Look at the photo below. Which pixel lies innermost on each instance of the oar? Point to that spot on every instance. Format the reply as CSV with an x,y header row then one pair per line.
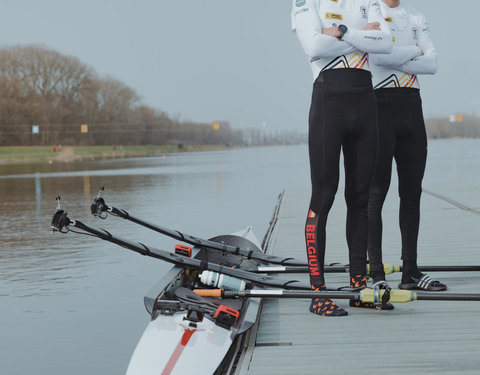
x,y
339,268
365,295
62,223
100,209
286,265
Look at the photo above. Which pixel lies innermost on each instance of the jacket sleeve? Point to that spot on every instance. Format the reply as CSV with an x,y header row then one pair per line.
x,y
427,63
372,41
399,55
308,26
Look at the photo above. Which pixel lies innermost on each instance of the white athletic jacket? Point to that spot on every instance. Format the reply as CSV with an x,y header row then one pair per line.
x,y
412,37
326,52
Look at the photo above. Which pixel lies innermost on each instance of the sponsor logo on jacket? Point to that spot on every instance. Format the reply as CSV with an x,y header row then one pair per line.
x,y
333,16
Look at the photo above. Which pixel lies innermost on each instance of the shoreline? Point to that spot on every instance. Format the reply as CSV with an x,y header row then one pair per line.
x,y
11,155
37,155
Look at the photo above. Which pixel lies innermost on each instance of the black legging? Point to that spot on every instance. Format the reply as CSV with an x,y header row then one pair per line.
x,y
403,137
342,115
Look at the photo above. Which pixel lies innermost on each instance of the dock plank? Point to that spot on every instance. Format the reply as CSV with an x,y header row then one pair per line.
x,y
416,338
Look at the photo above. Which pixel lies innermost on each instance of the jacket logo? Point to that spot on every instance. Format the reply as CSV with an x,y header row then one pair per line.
x,y
333,16
389,19
415,33
363,11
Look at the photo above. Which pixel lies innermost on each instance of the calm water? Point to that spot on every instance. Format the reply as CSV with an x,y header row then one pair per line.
x,y
73,304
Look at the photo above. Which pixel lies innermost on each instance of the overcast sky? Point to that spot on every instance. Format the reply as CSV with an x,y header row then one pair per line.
x,y
234,60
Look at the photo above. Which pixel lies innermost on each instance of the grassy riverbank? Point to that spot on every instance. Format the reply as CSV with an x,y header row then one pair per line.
x,y
45,154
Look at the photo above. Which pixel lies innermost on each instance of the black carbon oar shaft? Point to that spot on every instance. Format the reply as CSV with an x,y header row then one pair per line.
x,y
291,294
186,262
207,243
287,265
365,295
389,269
448,268
436,296
293,269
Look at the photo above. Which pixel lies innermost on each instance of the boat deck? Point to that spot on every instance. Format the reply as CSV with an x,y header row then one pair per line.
x,y
416,338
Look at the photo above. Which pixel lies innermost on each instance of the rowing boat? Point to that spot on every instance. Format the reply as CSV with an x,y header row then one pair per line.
x,y
189,331
178,338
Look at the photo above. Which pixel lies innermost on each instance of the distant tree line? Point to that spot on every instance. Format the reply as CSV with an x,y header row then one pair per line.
x,y
469,127
40,86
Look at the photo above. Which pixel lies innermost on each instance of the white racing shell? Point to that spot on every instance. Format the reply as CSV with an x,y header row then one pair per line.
x,y
170,345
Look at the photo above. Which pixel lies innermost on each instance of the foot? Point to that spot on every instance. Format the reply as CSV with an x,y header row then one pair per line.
x,y
422,282
378,277
325,306
360,282
376,272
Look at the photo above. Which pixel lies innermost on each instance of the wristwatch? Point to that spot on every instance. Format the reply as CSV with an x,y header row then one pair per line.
x,y
343,30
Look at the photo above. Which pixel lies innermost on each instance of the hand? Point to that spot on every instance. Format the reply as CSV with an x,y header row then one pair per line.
x,y
331,31
372,26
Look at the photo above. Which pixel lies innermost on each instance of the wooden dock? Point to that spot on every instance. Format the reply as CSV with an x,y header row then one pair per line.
x,y
416,338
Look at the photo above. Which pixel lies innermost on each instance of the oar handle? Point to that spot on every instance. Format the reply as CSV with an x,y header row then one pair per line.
x,y
396,296
387,268
216,293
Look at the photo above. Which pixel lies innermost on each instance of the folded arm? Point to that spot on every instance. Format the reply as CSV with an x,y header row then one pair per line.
x,y
398,56
308,26
372,41
427,63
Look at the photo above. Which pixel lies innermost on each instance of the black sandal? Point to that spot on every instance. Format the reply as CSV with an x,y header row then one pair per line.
x,y
425,282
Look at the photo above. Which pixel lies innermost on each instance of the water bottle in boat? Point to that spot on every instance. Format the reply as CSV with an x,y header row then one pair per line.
x,y
218,280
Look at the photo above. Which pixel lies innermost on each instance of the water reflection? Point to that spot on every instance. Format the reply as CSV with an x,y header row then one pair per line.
x,y
38,195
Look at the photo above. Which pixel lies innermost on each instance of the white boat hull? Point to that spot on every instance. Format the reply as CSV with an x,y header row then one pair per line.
x,y
170,346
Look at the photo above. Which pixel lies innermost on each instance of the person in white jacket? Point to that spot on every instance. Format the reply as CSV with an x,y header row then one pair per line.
x,y
402,137
337,37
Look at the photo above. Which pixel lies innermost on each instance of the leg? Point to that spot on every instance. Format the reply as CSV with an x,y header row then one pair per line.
x,y
411,156
325,134
380,186
324,152
360,157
